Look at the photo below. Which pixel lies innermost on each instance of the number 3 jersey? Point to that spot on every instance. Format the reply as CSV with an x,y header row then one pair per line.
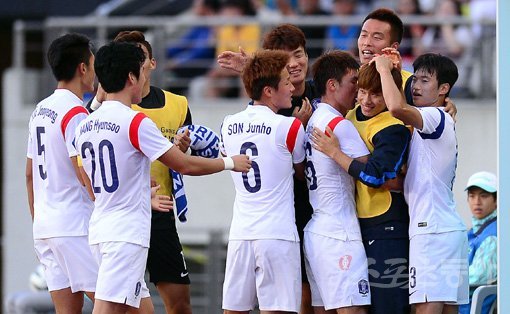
x,y
264,202
117,145
62,206
332,188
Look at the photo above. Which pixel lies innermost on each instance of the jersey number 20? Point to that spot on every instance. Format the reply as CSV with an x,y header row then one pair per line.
x,y
104,144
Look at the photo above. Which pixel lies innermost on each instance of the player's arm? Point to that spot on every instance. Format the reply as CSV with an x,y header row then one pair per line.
x,y
304,112
161,203
450,108
182,140
387,159
373,170
175,159
30,186
234,61
82,176
395,100
328,143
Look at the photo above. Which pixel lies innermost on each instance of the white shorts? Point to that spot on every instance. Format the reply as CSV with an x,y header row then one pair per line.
x,y
267,270
68,262
337,271
438,268
121,272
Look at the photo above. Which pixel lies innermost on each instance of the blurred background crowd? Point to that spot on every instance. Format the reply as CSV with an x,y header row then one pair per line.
x,y
201,29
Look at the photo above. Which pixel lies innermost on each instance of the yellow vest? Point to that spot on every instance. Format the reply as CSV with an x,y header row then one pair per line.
x,y
168,119
405,76
371,202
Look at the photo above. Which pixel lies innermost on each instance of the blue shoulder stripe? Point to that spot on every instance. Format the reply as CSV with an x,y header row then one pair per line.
x,y
439,130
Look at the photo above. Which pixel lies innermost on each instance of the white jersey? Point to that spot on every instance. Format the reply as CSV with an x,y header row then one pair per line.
x,y
430,175
62,206
264,202
331,188
117,145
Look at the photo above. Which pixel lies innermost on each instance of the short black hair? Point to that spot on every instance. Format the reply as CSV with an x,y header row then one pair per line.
x,y
334,64
66,53
390,17
434,63
115,61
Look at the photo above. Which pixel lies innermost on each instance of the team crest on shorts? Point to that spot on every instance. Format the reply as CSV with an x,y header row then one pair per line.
x,y
363,287
138,288
345,262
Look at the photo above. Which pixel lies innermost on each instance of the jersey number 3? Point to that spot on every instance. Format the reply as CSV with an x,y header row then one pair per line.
x,y
104,145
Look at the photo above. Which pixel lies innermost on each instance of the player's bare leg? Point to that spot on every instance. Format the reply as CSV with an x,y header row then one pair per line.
x,y
107,307
322,310
436,308
450,309
176,297
67,302
235,312
353,310
306,299
146,307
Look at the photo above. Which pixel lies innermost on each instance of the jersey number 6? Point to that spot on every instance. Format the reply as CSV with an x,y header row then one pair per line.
x,y
254,166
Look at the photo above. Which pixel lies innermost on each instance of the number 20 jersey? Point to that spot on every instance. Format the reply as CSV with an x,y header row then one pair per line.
x,y
264,202
62,206
117,145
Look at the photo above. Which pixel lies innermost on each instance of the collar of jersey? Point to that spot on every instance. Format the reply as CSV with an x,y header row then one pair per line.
x,y
329,108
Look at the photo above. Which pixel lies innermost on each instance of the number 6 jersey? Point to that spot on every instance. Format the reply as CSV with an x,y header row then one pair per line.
x,y
117,145
62,206
264,202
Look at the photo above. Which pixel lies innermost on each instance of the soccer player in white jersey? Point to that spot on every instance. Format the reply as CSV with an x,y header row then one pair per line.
x,y
438,271
334,254
117,145
59,203
263,261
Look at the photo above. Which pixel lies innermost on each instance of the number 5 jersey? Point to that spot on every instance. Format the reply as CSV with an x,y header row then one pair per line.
x,y
62,206
264,202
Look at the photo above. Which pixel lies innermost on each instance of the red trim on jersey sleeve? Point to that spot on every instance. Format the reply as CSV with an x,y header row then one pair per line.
x,y
133,129
69,115
292,135
333,123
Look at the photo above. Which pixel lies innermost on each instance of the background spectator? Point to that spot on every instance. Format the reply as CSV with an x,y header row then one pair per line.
x,y
483,254
410,46
192,55
314,34
343,37
223,82
451,40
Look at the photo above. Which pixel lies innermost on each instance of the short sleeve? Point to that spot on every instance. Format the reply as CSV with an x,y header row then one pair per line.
x,y
146,137
69,124
434,120
351,143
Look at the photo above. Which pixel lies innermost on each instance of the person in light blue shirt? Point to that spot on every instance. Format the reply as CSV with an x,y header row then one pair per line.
x,y
482,199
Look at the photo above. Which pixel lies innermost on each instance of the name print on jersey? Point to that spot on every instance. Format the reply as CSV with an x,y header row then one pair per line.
x,y
97,126
236,128
46,112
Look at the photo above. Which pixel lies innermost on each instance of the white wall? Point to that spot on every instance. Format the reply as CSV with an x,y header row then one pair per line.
x,y
209,198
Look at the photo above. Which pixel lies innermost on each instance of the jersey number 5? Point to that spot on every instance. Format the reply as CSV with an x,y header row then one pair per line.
x,y
254,166
113,167
40,150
